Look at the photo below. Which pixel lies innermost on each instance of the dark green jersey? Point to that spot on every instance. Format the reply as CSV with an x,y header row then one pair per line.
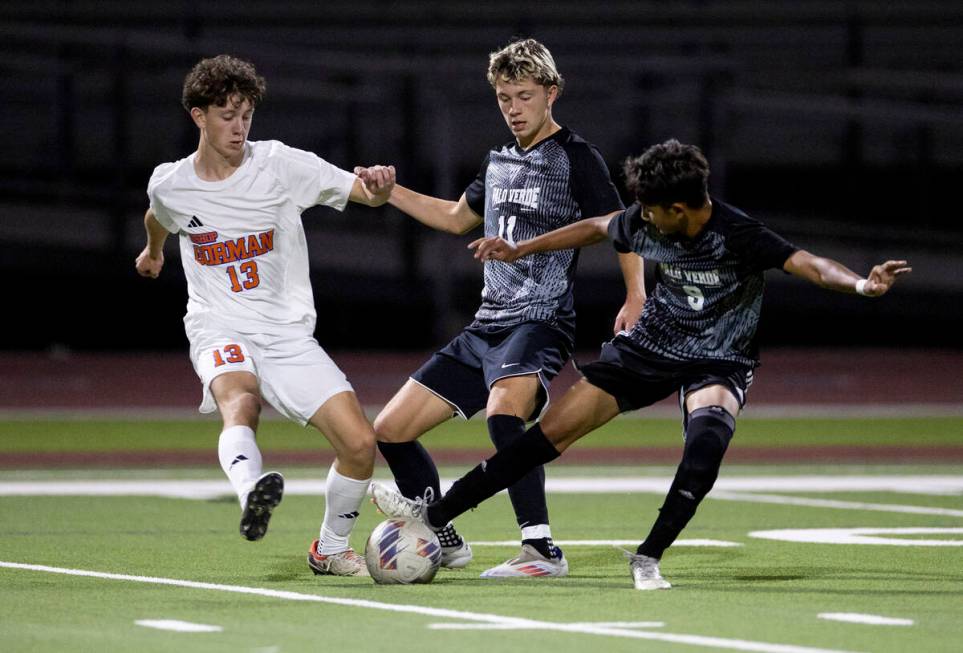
x,y
708,295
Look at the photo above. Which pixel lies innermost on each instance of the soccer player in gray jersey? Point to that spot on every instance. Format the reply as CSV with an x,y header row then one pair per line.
x,y
523,333
696,337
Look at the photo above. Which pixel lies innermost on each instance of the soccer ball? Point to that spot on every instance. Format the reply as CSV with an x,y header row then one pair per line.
x,y
402,551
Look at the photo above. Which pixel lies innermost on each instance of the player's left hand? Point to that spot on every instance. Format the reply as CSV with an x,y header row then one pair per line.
x,y
629,314
882,277
494,249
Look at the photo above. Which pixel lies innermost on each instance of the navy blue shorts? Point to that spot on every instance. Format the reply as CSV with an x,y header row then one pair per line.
x,y
463,372
637,378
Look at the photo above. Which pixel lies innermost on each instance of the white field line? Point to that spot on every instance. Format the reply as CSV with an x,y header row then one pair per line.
x,y
178,626
832,503
692,542
862,535
871,619
943,485
458,615
603,624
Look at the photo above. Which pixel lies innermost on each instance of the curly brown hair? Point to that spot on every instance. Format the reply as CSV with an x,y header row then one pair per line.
x,y
667,173
215,80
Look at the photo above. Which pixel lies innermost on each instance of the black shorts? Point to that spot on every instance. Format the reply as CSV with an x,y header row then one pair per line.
x,y
637,378
463,372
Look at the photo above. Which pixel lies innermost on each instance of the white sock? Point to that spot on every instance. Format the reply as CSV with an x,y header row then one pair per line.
x,y
536,532
343,497
240,459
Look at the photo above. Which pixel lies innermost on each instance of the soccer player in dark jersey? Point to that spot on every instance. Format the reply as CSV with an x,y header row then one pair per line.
x,y
547,177
696,337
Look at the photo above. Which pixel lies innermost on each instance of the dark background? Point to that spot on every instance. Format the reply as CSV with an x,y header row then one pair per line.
x,y
840,124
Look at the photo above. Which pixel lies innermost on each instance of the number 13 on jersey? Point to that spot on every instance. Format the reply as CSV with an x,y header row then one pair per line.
x,y
248,281
232,354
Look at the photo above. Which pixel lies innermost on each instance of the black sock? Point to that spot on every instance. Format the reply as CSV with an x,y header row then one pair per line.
x,y
708,433
528,493
413,468
494,475
674,514
545,546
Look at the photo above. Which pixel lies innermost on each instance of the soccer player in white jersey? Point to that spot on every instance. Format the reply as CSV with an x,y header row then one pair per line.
x,y
235,206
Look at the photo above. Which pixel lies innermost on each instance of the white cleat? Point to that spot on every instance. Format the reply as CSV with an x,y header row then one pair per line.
x,y
456,557
645,572
396,505
345,563
529,564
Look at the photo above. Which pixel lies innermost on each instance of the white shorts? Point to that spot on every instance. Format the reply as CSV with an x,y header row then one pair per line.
x,y
294,373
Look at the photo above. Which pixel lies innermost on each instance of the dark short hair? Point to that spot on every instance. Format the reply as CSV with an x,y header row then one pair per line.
x,y
668,173
214,80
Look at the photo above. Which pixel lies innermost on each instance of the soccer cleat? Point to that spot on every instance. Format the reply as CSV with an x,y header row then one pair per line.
x,y
395,505
261,500
345,563
455,551
529,564
645,572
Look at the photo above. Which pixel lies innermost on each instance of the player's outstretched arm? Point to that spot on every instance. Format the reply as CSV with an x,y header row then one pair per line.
x,y
834,275
151,260
577,234
373,185
443,215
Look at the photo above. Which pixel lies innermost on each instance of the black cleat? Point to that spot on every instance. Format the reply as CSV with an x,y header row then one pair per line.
x,y
261,500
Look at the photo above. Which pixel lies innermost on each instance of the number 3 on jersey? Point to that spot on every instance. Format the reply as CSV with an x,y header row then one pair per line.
x,y
232,354
251,280
696,299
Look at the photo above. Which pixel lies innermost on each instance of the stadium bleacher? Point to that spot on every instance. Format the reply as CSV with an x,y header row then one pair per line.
x,y
838,123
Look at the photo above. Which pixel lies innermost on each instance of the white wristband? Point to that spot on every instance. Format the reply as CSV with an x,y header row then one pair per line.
x,y
861,287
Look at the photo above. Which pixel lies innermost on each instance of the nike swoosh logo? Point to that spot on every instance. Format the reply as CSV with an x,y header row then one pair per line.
x,y
510,364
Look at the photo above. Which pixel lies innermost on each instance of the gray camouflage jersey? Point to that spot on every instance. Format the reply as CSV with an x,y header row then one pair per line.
x,y
525,193
708,295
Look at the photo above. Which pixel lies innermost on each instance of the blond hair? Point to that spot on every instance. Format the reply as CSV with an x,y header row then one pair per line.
x,y
524,59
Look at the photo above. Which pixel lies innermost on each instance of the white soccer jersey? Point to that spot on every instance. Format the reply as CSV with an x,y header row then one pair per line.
x,y
242,242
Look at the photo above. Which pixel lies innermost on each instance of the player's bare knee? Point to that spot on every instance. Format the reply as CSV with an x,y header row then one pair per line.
x,y
387,429
242,408
359,449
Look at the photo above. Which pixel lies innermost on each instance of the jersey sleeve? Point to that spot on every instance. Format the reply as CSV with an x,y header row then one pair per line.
x,y
310,179
624,226
475,193
155,197
760,247
592,186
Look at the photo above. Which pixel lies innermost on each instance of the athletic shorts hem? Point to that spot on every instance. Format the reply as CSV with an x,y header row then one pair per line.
x,y
322,400
455,407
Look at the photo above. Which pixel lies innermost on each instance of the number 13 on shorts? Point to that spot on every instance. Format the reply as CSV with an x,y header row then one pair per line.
x,y
228,354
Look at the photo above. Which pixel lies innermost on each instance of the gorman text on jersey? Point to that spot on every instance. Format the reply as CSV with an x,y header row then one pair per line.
x,y
238,249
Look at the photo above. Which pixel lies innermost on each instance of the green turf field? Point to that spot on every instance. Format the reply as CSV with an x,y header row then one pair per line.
x,y
163,558
32,434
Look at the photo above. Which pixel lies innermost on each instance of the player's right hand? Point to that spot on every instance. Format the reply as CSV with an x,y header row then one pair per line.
x,y
148,266
494,249
882,277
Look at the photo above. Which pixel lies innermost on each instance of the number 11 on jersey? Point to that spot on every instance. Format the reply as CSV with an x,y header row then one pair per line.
x,y
509,233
